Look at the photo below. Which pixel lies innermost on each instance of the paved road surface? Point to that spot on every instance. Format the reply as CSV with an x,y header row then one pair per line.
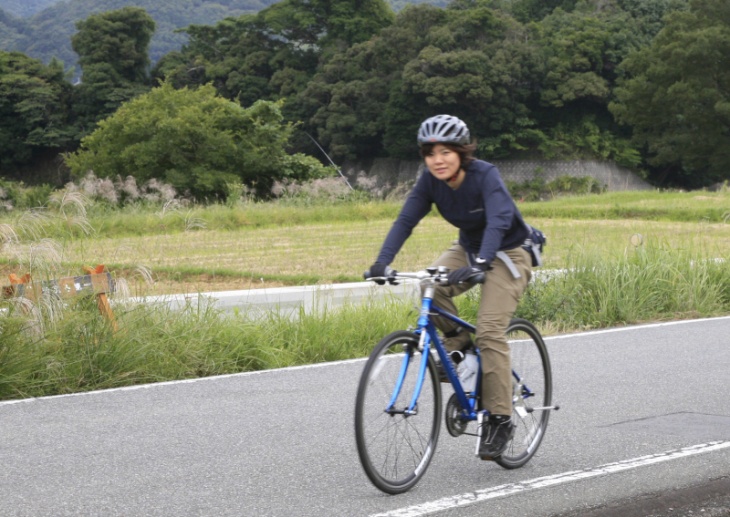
x,y
645,411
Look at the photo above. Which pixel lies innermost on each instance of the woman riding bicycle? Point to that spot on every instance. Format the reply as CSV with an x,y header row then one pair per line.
x,y
470,194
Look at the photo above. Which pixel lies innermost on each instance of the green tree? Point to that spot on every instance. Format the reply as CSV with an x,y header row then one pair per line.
x,y
118,38
649,15
239,56
113,54
535,10
274,53
676,96
194,140
468,60
580,52
34,109
345,104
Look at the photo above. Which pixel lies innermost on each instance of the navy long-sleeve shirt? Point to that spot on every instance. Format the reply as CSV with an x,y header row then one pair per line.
x,y
481,208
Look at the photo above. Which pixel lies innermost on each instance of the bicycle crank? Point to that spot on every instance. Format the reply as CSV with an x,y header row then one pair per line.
x,y
455,422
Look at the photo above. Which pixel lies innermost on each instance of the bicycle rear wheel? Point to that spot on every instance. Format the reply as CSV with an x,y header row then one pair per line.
x,y
395,448
531,392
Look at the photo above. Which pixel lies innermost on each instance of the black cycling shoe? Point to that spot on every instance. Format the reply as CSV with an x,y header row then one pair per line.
x,y
497,432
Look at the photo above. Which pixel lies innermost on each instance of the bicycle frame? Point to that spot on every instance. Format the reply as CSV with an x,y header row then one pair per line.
x,y
426,330
428,335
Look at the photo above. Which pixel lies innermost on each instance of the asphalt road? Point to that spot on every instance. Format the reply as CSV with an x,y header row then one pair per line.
x,y
644,418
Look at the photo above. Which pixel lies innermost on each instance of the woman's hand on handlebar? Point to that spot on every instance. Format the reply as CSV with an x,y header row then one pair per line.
x,y
381,273
470,274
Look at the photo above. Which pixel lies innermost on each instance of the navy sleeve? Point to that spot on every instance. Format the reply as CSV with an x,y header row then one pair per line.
x,y
416,207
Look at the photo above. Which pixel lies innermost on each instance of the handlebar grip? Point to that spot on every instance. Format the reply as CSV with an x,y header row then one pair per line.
x,y
479,278
390,277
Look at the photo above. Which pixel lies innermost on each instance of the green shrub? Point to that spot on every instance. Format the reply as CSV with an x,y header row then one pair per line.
x,y
17,195
538,189
195,141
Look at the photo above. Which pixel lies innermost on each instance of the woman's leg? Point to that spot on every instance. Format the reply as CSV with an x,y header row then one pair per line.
x,y
500,294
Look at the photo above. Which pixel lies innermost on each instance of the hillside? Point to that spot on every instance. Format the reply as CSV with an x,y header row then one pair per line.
x,y
10,30
48,33
25,8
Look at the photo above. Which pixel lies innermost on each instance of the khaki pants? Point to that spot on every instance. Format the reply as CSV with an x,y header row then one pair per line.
x,y
500,294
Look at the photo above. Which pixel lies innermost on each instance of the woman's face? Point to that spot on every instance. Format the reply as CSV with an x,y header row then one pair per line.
x,y
443,162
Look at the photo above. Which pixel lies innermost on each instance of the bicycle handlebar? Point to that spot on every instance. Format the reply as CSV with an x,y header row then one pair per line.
x,y
438,275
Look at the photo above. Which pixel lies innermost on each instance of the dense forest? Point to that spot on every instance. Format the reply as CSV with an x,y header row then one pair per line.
x,y
644,83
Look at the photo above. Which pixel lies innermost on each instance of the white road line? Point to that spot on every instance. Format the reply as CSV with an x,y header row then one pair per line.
x,y
449,503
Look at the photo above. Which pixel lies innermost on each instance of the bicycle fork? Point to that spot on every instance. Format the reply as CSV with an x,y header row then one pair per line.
x,y
412,408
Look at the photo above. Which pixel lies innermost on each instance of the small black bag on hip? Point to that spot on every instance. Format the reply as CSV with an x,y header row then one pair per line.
x,y
534,244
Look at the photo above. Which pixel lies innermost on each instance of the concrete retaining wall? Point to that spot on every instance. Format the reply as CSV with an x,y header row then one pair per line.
x,y
388,172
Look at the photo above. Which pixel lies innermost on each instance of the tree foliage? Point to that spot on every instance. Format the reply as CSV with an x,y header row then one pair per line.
x,y
113,49
34,109
119,39
468,60
194,140
274,53
676,96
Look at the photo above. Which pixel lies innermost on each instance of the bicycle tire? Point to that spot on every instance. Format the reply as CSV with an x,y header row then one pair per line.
x,y
396,449
530,360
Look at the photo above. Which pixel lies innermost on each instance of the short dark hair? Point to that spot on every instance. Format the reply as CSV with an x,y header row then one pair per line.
x,y
465,152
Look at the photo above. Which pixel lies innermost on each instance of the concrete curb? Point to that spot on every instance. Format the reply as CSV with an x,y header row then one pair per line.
x,y
286,300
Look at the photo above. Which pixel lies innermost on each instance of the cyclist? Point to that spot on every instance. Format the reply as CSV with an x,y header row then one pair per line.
x,y
470,194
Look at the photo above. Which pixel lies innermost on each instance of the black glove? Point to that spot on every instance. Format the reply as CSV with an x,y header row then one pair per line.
x,y
467,273
379,270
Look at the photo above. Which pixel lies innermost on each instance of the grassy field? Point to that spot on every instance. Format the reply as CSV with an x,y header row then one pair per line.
x,y
268,245
210,260
630,258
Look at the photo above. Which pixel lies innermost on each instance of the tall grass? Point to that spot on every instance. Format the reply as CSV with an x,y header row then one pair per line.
x,y
649,284
81,352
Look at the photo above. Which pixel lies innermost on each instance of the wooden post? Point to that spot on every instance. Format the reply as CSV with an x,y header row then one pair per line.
x,y
17,288
101,283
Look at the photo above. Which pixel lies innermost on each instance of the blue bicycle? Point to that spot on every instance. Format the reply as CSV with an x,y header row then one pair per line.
x,y
398,405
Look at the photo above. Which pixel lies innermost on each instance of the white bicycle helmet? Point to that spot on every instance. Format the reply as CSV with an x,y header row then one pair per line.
x,y
443,129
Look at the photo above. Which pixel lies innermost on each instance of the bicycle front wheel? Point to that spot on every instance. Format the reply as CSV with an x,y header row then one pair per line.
x,y
532,384
395,446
